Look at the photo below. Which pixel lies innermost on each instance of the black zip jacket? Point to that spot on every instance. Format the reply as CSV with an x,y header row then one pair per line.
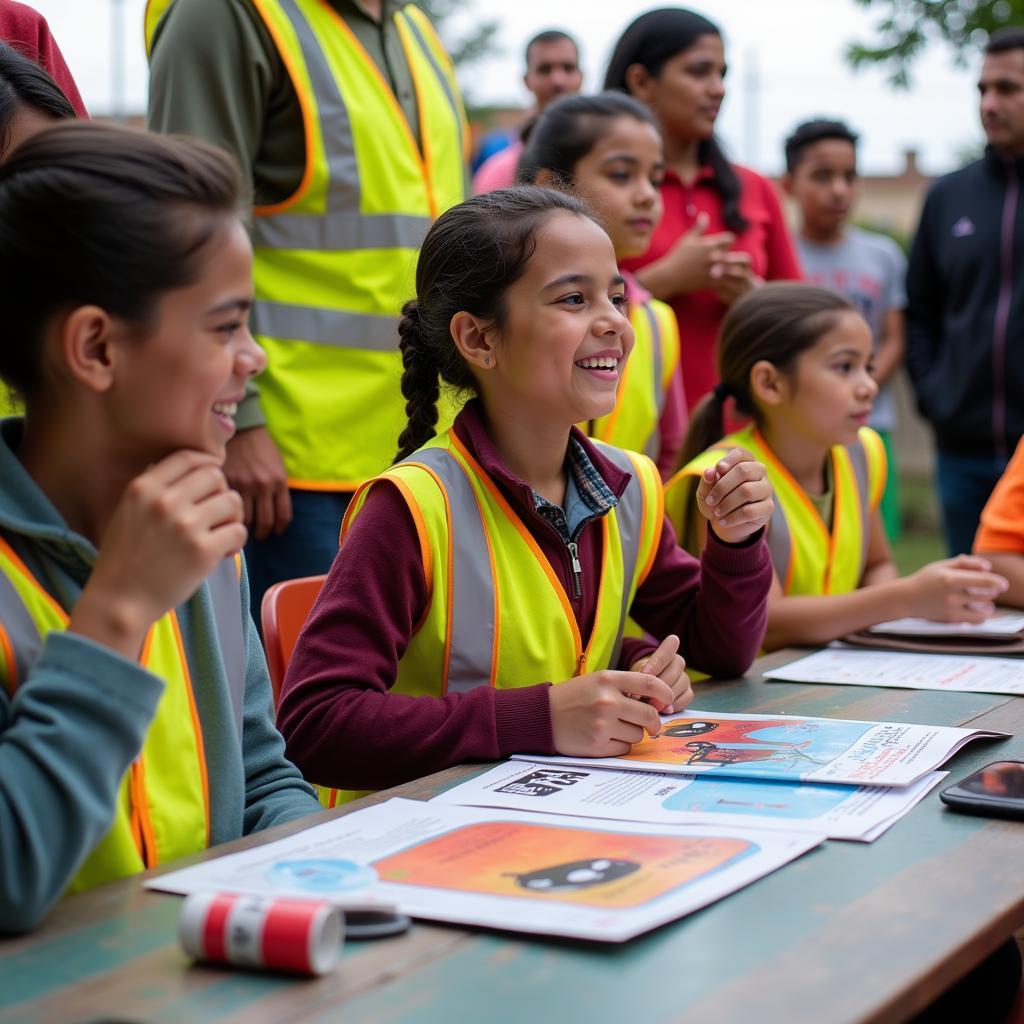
x,y
965,308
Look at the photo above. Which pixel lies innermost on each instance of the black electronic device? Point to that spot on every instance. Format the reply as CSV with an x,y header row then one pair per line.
x,y
996,791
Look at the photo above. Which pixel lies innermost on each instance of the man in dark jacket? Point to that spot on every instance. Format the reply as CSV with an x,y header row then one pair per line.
x,y
965,295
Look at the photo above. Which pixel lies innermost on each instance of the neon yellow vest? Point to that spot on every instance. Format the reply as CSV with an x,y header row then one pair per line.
x,y
162,808
497,615
644,383
335,261
808,558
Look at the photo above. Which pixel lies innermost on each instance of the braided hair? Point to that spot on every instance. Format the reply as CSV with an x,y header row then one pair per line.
x,y
472,254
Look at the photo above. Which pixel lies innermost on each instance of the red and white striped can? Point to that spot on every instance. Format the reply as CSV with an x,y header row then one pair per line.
x,y
301,936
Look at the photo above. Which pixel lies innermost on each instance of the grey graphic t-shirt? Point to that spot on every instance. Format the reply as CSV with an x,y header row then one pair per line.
x,y
870,270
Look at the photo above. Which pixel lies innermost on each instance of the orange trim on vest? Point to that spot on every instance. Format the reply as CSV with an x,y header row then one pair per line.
x,y
659,512
801,494
555,582
319,485
306,108
421,534
196,726
7,649
417,88
150,854
390,98
19,564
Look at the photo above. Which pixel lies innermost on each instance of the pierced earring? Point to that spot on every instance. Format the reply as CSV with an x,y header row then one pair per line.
x,y
487,360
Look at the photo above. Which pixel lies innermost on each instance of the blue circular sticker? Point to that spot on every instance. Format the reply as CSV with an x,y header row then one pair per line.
x,y
321,875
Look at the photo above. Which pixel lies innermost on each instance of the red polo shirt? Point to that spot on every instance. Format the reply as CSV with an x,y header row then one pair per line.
x,y
766,239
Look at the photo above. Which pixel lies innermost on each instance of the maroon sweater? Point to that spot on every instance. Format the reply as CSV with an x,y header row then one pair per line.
x,y
343,726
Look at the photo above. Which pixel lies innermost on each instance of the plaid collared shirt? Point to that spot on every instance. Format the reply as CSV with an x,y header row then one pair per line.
x,y
590,498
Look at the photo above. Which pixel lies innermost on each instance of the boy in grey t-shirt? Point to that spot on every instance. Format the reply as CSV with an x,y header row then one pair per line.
x,y
868,268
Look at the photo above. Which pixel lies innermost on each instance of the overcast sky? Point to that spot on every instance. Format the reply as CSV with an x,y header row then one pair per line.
x,y
791,49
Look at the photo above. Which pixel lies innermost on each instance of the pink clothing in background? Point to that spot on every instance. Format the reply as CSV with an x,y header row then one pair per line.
x,y
498,171
26,31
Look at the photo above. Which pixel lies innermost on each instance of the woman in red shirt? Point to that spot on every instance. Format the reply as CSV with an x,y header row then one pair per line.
x,y
722,231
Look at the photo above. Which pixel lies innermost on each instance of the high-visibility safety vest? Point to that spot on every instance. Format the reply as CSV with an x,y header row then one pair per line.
x,y
334,262
163,805
808,557
497,614
644,383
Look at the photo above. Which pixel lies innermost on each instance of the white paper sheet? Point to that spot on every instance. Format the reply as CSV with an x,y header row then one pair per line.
x,y
1003,624
906,670
788,747
504,869
860,813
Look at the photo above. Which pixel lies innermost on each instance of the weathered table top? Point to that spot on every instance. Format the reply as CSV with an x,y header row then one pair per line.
x,y
850,932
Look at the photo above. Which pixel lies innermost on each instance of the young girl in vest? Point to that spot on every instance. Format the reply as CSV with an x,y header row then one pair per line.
x,y
797,359
608,149
505,554
135,716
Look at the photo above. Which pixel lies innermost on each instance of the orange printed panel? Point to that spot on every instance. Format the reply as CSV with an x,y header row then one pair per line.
x,y
709,741
567,865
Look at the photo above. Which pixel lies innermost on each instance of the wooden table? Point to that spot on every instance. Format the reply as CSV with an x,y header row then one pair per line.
x,y
850,932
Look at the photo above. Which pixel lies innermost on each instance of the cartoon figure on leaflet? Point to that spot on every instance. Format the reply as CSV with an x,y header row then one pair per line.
x,y
745,741
575,874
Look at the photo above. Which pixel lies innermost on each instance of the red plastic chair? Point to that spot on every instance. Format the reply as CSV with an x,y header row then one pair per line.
x,y
284,611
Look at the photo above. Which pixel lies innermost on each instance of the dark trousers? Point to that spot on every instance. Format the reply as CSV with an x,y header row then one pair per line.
x,y
964,483
306,548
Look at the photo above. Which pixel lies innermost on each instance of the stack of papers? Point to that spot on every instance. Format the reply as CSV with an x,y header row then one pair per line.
x,y
789,747
958,672
860,813
606,849
503,869
1001,626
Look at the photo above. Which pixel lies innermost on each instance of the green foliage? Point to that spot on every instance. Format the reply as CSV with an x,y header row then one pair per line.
x,y
465,45
907,26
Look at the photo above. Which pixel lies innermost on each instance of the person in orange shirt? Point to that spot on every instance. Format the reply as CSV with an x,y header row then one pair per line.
x,y
1000,537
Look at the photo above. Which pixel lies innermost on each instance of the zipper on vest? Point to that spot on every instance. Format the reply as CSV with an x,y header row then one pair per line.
x,y
577,569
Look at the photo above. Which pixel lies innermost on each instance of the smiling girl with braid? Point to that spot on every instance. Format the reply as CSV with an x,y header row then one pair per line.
x,y
504,555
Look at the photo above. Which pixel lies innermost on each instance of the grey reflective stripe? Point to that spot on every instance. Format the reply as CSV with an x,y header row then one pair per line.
x,y
343,188
226,598
780,544
20,628
438,70
472,607
859,462
653,445
325,326
629,514
339,230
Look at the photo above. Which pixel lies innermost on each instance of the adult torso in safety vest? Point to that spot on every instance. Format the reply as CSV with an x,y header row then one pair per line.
x,y
808,557
497,614
334,262
644,383
163,806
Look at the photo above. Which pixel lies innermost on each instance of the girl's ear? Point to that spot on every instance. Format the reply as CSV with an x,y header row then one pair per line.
x,y
475,339
768,387
639,83
546,179
87,347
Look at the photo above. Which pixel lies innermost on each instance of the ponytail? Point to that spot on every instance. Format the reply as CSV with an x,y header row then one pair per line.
x,y
420,384
707,425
